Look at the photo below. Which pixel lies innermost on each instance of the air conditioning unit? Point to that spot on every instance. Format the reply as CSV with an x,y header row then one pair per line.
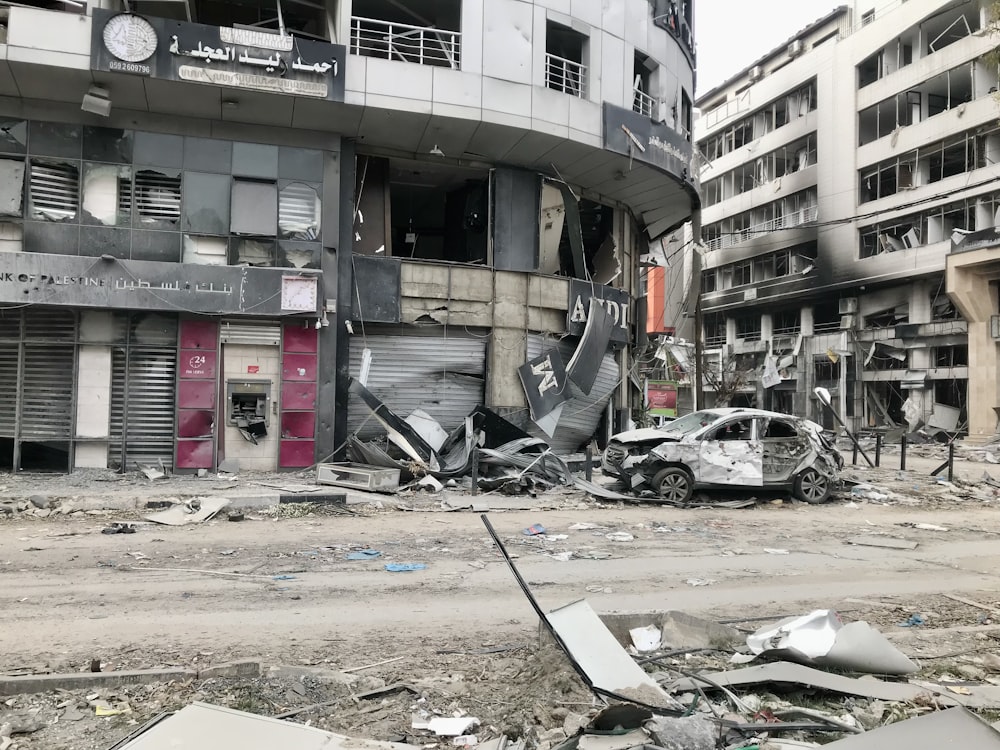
x,y
848,305
756,73
796,48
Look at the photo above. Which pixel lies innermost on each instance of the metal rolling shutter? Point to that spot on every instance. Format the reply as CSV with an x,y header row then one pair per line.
x,y
444,376
142,394
582,413
49,357
8,388
10,355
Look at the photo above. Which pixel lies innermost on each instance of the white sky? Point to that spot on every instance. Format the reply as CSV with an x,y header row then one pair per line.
x,y
731,34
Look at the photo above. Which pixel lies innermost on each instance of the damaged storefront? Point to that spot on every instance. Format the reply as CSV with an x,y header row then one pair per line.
x,y
124,243
501,286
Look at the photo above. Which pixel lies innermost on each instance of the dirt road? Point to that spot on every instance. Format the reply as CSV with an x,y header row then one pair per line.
x,y
281,588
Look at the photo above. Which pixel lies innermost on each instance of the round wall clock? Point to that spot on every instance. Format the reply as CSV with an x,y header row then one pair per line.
x,y
130,37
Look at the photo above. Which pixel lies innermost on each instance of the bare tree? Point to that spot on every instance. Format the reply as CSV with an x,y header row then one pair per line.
x,y
726,375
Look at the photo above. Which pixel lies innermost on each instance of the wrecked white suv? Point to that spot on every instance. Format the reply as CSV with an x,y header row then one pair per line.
x,y
729,448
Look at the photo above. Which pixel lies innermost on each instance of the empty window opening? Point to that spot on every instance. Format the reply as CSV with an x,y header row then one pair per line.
x,y
748,327
434,211
643,97
564,59
422,33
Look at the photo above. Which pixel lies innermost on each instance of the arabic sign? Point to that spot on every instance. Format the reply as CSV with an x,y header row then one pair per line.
x,y
37,278
655,143
220,56
614,301
544,382
661,397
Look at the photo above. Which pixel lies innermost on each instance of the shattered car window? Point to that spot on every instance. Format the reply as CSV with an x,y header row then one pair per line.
x,y
690,422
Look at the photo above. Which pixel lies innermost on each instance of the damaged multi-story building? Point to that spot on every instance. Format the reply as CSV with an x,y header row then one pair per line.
x,y
216,213
849,188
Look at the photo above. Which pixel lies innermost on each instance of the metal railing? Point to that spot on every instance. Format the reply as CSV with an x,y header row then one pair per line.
x,y
794,219
424,45
643,103
565,75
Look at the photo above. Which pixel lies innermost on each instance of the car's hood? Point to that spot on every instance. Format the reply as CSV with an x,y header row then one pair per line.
x,y
642,435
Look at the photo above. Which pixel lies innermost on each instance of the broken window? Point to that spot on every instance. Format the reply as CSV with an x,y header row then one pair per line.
x,y
714,329
742,273
564,68
427,34
785,322
950,26
748,327
643,100
826,370
107,195
11,187
870,69
251,251
708,280
157,198
951,356
254,207
205,251
54,190
299,211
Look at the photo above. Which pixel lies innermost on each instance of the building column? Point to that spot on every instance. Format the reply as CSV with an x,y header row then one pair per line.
x,y
972,288
93,392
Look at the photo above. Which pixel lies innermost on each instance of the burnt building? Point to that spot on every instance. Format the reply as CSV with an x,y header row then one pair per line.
x,y
215,214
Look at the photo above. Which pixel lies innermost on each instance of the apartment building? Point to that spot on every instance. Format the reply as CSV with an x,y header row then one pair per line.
x,y
215,214
845,176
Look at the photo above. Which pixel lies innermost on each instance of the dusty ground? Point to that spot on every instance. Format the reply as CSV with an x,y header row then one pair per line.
x,y
277,588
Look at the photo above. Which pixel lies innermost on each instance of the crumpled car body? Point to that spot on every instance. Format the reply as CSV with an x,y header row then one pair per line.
x,y
737,449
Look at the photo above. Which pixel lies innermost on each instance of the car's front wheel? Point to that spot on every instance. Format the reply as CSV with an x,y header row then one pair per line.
x,y
812,487
674,485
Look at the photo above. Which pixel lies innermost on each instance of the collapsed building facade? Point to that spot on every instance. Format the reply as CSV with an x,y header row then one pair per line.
x,y
216,214
846,176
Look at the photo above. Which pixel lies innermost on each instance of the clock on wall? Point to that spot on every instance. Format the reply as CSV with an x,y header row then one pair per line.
x,y
298,293
130,37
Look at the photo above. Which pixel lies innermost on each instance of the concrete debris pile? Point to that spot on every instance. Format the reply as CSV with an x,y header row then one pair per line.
x,y
677,708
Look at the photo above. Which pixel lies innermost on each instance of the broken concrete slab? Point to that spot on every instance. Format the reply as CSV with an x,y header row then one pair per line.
x,y
201,726
600,656
196,510
683,733
43,683
955,727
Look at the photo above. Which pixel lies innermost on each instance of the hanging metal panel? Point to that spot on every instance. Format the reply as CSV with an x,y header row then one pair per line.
x,y
582,413
9,355
443,376
47,393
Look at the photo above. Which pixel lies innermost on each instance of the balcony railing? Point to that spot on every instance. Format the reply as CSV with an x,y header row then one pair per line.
x,y
424,45
565,75
643,103
794,219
